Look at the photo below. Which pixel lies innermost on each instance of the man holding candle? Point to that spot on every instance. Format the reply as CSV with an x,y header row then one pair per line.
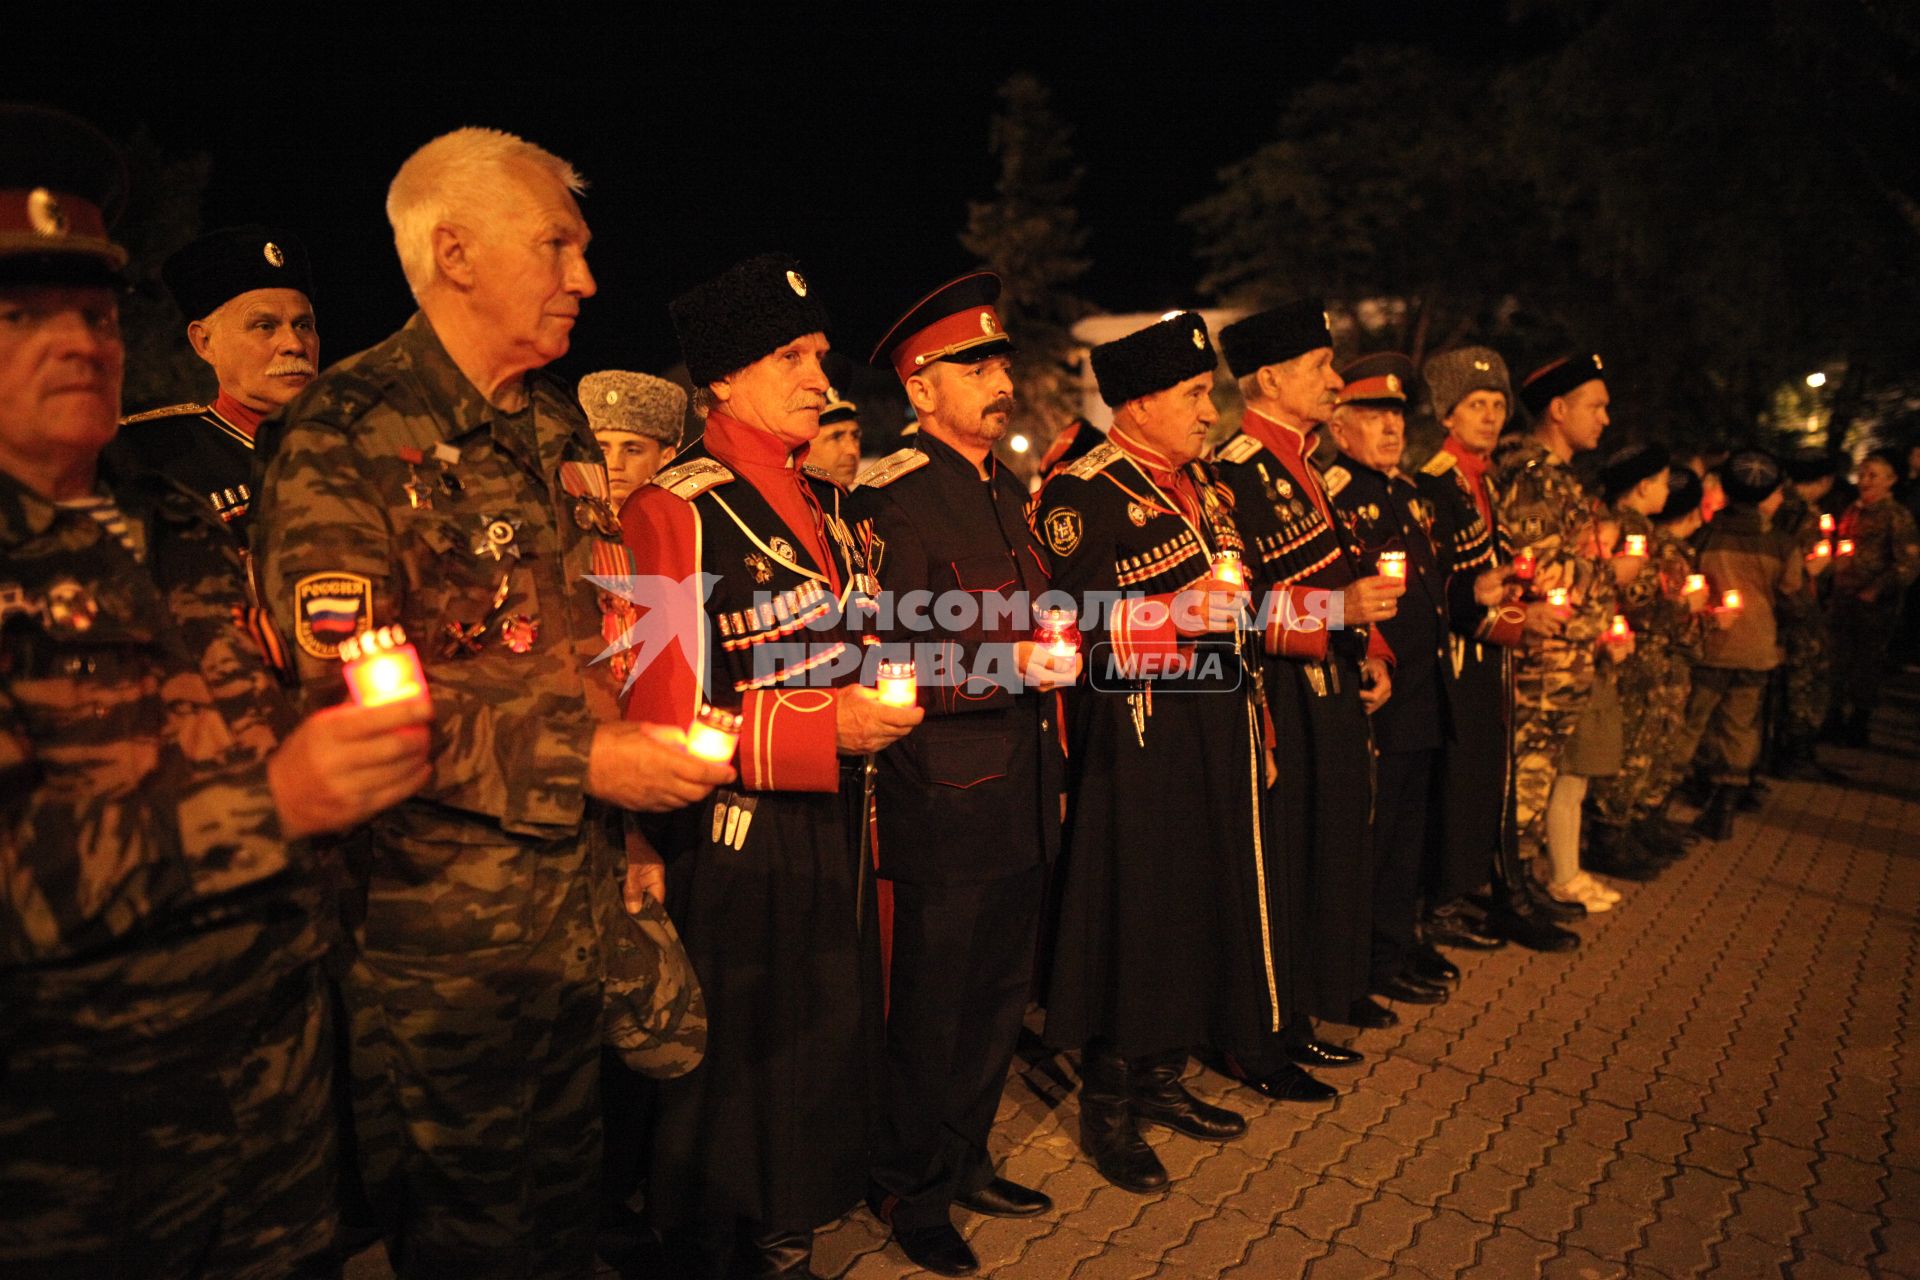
x,y
1390,522
1172,914
969,804
1864,605
1802,684
769,881
247,294
1471,396
166,1060
1325,667
1546,512
1739,553
440,481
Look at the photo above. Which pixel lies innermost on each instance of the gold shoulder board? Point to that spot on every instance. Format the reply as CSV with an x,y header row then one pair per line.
x,y
1336,479
1438,465
168,411
691,479
1238,449
1092,463
890,468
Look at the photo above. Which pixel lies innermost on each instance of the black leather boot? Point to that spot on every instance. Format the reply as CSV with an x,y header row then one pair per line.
x,y
1716,820
1109,1133
1159,1098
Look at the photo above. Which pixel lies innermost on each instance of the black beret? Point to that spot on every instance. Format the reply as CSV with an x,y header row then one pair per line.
x,y
1751,476
224,264
1556,379
744,314
1276,335
61,186
1684,493
1629,466
1162,355
1383,378
1804,466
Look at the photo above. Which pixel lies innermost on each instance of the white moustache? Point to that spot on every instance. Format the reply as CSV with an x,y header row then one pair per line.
x,y
292,366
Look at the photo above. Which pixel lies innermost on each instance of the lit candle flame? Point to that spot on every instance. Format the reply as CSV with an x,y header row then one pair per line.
x,y
381,667
1393,564
1228,568
896,685
713,735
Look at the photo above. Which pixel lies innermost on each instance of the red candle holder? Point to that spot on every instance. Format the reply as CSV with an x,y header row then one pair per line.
x,y
1696,582
1523,566
1821,550
381,667
1730,601
1620,630
1846,546
1055,629
1393,564
1826,522
713,735
1557,597
1230,569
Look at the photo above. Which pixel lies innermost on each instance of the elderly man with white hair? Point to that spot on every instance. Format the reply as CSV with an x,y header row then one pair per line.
x,y
439,482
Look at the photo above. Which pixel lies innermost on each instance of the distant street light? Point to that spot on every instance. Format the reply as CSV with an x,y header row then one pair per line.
x,y
1018,443
1816,380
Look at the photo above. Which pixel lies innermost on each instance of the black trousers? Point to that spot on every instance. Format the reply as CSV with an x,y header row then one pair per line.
x,y
1400,817
962,965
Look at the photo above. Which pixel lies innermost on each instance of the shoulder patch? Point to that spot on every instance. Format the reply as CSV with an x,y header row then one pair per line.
x,y
1438,465
1063,528
890,468
1240,448
1336,478
169,411
1093,462
691,479
329,608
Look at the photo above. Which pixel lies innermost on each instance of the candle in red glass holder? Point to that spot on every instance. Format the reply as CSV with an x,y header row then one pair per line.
x,y
1055,630
1557,597
1393,564
1636,545
713,735
1696,582
1731,600
1620,628
896,685
381,667
1228,568
1846,546
1523,566
1821,550
1826,522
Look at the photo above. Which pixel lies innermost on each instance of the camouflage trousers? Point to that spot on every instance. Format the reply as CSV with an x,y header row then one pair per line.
x,y
1807,672
1722,733
1653,694
476,1068
1549,693
220,1162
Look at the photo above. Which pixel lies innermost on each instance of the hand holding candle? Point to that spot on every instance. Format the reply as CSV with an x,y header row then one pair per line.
x,y
381,667
1392,564
895,684
713,735
1635,545
1523,566
1229,569
1056,630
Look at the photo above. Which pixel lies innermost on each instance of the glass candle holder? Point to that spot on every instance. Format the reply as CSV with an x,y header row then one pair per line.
x,y
1826,522
1620,630
1635,545
1731,600
1696,582
1821,550
1846,546
1557,597
381,667
1228,568
1393,564
896,685
713,735
1523,566
1055,629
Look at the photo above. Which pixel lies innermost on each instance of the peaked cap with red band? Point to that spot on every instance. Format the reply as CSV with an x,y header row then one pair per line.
x,y
955,322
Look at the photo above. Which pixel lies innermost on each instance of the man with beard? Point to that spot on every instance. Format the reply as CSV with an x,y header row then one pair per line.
x,y
769,1139
1325,669
1172,918
1471,395
969,805
247,293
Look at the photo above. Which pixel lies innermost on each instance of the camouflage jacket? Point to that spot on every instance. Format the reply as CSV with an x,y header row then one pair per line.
x,y
1654,600
1544,509
1671,620
1886,552
144,885
397,494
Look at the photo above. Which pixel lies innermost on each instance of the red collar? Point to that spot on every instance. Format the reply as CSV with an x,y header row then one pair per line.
x,y
1157,465
236,413
1283,438
1474,466
736,442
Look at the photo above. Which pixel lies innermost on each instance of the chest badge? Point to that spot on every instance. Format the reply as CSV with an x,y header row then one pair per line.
x,y
1137,514
519,632
1064,530
496,539
71,607
781,547
759,566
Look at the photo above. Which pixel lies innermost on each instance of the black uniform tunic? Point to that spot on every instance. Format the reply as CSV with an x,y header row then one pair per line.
x,y
200,447
1172,920
764,878
968,811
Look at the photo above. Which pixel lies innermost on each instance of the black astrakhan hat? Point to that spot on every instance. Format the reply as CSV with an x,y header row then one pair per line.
x,y
1162,355
1751,476
1629,466
234,260
1684,493
1276,336
61,186
1556,378
1384,378
748,311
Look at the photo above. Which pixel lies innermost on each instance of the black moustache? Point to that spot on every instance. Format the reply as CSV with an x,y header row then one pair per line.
x,y
1002,405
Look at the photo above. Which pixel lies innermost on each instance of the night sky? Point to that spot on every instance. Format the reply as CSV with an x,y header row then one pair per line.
x,y
852,139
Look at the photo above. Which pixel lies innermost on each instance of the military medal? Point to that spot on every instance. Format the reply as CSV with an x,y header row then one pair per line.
x,y
587,484
418,495
1137,514
519,632
71,607
759,566
781,547
496,539
462,637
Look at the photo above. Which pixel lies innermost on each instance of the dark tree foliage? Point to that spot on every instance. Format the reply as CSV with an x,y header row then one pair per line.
x,y
1719,197
1029,233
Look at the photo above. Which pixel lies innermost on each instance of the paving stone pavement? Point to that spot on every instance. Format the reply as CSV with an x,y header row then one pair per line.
x,y
1723,1081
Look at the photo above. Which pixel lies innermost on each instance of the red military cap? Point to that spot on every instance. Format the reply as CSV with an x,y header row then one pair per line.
x,y
1383,378
955,322
61,183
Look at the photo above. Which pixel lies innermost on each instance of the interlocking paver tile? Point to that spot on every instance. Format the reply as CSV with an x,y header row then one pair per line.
x,y
1385,1227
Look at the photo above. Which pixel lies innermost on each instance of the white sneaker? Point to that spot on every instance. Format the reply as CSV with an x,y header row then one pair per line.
x,y
1585,883
1572,892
